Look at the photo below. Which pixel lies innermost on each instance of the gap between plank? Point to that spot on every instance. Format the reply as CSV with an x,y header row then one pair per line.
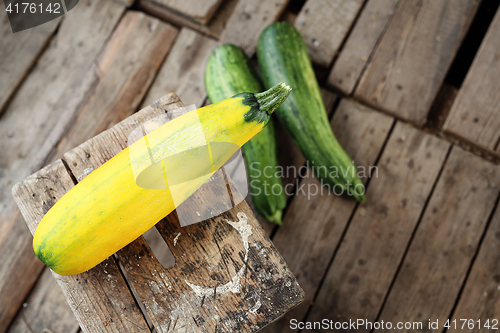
x,y
462,62
133,292
344,40
377,43
295,6
68,170
457,300
424,208
471,43
377,160
472,147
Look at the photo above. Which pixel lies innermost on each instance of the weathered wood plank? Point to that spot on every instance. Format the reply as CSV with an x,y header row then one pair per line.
x,y
374,244
446,240
248,282
184,69
413,57
248,20
37,193
358,48
480,298
99,297
198,10
324,24
34,125
18,53
474,115
45,309
212,29
315,221
126,3
122,74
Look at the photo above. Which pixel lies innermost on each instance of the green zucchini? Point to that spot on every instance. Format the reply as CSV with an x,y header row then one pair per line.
x,y
283,57
229,72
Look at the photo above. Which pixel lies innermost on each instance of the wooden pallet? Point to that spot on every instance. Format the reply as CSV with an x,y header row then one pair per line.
x,y
411,60
358,48
368,31
228,275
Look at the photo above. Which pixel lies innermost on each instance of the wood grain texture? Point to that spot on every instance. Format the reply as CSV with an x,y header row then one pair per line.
x,y
324,24
224,279
248,20
122,74
211,255
373,246
475,114
198,10
315,221
34,125
413,57
18,53
45,309
212,29
480,298
37,193
183,72
446,240
126,3
99,298
359,47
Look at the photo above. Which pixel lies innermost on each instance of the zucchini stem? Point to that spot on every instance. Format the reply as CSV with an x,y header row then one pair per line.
x,y
270,99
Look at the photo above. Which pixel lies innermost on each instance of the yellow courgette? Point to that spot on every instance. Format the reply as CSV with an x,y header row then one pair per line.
x,y
108,209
